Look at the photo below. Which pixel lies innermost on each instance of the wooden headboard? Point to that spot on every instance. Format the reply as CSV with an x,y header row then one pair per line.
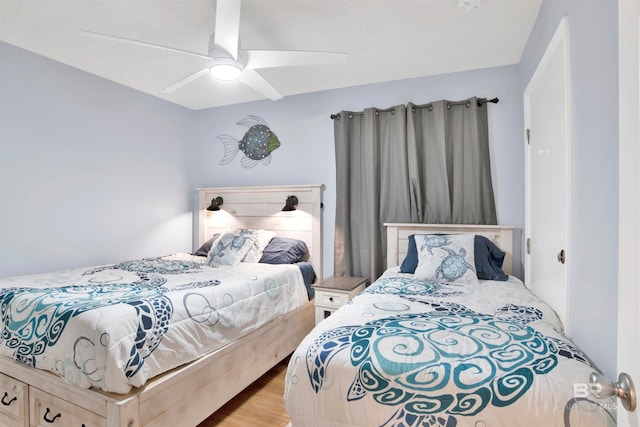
x,y
261,208
398,239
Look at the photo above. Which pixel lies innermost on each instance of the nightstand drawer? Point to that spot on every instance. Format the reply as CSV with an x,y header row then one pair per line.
x,y
14,397
334,292
331,299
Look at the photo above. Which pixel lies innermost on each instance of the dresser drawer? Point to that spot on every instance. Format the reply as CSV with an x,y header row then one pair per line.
x,y
14,398
50,411
331,299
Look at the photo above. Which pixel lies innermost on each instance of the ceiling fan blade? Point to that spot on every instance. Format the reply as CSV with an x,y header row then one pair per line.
x,y
256,82
186,80
227,28
286,58
140,43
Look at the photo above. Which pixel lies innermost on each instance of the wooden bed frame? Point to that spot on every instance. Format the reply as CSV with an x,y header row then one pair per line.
x,y
187,395
398,239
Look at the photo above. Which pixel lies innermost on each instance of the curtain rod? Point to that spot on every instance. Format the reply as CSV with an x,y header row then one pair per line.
x,y
480,101
391,110
492,100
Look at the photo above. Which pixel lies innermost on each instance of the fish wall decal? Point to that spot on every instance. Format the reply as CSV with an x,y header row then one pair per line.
x,y
256,144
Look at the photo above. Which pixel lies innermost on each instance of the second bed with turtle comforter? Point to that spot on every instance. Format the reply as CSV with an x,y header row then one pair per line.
x,y
409,351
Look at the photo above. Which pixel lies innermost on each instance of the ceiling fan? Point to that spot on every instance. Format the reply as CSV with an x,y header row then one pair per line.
x,y
227,61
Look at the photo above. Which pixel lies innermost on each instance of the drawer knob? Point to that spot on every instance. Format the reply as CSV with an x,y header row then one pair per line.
x,y
6,402
50,420
331,299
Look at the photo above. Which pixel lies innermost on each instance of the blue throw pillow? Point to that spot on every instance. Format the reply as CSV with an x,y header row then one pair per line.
x,y
488,259
283,250
410,262
206,246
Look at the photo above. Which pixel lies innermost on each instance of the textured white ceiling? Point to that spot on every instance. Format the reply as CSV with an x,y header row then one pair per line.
x,y
385,40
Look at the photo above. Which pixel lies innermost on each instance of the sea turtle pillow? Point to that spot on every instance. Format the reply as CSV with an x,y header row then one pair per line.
x,y
446,258
261,239
229,249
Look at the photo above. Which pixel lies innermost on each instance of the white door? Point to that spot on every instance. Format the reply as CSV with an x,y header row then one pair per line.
x,y
629,202
546,106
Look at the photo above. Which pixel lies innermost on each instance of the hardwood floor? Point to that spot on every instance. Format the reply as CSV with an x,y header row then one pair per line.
x,y
260,404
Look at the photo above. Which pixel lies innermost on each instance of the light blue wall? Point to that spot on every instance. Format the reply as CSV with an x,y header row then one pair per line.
x,y
90,171
305,130
593,52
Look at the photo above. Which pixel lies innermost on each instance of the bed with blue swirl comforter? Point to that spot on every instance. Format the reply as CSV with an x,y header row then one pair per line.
x,y
115,326
409,352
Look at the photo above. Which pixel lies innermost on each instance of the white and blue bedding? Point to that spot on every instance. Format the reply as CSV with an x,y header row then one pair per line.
x,y
116,326
410,352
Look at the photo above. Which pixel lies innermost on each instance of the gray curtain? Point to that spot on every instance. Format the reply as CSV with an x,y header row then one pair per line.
x,y
449,165
372,187
421,163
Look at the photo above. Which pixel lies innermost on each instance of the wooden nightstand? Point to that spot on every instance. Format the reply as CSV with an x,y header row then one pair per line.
x,y
334,291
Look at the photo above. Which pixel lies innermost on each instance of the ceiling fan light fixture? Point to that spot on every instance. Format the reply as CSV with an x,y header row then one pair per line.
x,y
226,69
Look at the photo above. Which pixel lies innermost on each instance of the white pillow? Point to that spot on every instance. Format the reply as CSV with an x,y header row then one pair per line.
x,y
229,249
261,239
446,258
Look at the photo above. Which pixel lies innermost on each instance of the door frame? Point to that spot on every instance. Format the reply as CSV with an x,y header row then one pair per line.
x,y
628,337
559,39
